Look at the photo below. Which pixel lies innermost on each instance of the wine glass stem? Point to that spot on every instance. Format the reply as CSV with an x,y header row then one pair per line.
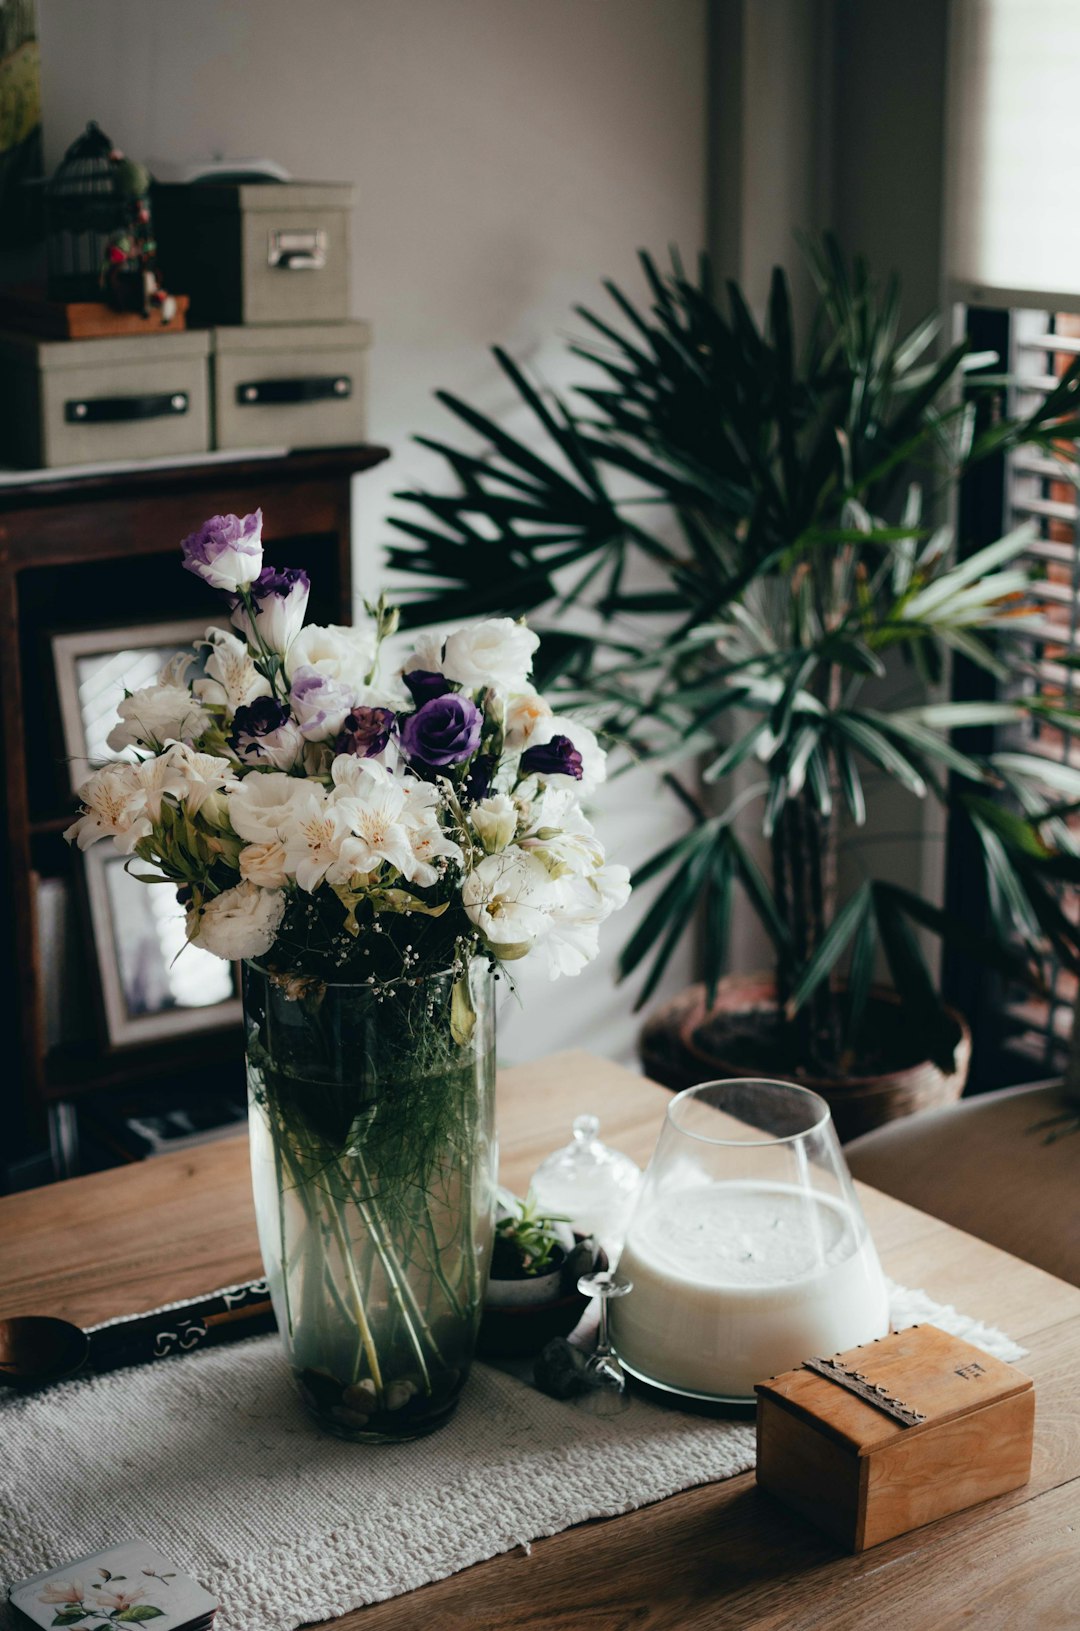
x,y
603,1344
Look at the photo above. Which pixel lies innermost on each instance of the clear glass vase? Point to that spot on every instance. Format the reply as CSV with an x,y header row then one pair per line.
x,y
373,1161
747,1251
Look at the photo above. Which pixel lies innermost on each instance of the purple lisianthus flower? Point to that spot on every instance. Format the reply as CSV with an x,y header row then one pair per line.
x,y
365,732
320,703
226,552
443,732
425,685
559,757
265,733
478,781
280,600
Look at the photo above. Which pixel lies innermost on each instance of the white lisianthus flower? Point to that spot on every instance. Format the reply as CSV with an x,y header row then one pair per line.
x,y
232,680
158,714
509,897
524,711
426,656
114,806
319,703
263,806
280,599
336,651
495,819
496,652
581,903
593,758
240,922
226,552
265,864
561,852
201,775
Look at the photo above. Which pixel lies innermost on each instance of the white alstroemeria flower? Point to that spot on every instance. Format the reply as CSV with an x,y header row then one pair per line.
x,y
317,839
175,671
336,651
232,680
114,801
524,711
266,864
508,897
494,652
263,806
202,774
158,714
240,922
159,777
495,820
430,843
593,757
375,816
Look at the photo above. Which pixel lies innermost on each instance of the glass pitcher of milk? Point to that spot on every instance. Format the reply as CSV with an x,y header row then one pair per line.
x,y
748,1250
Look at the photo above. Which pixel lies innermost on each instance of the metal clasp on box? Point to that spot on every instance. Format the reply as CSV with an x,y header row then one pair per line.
x,y
297,251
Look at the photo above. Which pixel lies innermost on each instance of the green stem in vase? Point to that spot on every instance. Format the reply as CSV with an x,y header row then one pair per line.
x,y
366,1338
396,1279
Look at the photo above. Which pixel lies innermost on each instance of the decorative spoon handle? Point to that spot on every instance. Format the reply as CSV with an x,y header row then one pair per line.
x,y
223,1316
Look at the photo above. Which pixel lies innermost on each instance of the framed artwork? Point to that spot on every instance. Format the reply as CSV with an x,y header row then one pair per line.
x,y
95,667
154,985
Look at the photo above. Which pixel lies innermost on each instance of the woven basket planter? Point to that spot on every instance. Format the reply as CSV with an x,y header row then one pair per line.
x,y
682,1044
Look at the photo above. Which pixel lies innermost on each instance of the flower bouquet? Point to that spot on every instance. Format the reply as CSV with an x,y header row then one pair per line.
x,y
375,849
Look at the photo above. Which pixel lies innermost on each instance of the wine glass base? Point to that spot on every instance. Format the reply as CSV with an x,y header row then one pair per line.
x,y
743,1400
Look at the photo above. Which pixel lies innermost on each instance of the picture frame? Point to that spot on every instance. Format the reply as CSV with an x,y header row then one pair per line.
x,y
94,667
153,985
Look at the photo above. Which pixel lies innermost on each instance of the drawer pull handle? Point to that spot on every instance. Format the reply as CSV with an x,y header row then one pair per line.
x,y
264,393
113,410
297,251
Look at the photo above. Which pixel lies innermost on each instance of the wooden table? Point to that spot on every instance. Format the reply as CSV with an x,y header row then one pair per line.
x,y
719,1557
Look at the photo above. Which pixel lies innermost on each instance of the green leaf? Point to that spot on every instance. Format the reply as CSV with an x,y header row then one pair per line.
x,y
831,946
71,1616
137,1613
937,1033
881,751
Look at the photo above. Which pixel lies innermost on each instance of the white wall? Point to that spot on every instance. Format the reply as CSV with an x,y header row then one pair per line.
x,y
506,154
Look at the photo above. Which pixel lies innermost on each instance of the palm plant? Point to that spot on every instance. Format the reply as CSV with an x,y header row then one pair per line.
x,y
777,500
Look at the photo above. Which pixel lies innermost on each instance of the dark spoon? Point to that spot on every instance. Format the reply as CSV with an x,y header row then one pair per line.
x,y
36,1349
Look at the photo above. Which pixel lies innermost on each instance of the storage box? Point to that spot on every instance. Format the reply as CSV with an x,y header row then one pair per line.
x,y
269,253
302,386
948,1427
88,401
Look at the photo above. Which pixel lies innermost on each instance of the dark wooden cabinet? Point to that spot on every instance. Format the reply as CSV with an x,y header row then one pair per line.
x,y
103,550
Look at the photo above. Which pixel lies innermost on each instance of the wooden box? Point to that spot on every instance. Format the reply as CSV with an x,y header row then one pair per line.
x,y
256,252
294,386
72,402
864,1474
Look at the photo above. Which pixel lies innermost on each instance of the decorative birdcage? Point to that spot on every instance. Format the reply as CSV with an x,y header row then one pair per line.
x,y
85,203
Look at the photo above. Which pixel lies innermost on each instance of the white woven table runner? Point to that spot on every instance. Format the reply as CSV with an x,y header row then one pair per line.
x,y
212,1459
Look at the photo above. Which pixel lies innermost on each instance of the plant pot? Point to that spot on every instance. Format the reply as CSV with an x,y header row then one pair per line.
x,y
522,1316
373,1164
685,1043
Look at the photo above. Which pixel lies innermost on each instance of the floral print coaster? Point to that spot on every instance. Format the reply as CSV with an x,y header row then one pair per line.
x,y
132,1584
